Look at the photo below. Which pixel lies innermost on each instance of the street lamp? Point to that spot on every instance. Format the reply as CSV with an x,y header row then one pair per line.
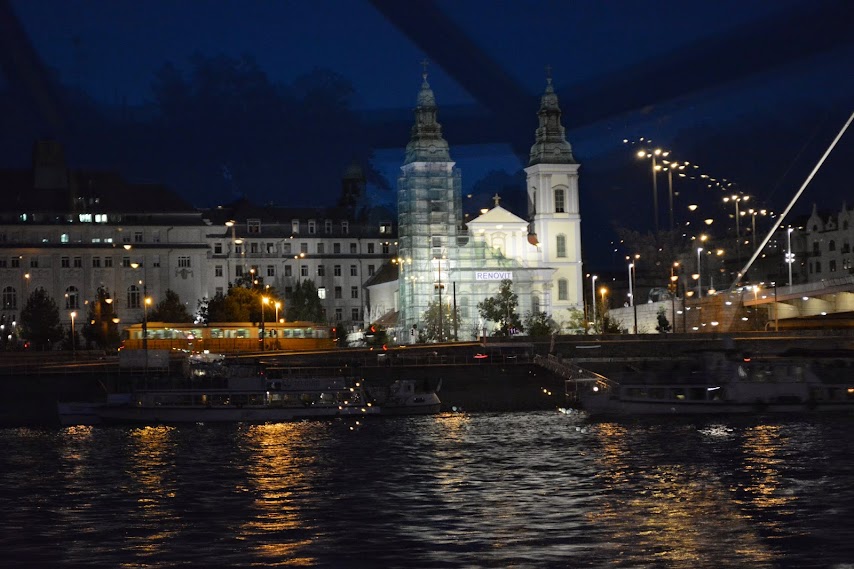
x,y
278,305
789,257
73,337
735,198
593,298
264,300
603,291
632,275
653,155
699,274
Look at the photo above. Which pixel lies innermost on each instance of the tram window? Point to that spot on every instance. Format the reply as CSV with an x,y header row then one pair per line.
x,y
216,333
241,333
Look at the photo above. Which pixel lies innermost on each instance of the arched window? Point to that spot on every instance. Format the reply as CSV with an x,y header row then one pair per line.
x,y
72,298
560,200
535,304
10,299
133,296
561,246
562,290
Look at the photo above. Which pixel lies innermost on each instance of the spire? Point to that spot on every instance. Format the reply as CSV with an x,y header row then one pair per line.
x,y
551,146
426,143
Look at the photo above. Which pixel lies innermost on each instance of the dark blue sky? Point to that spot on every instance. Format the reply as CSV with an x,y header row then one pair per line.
x,y
609,57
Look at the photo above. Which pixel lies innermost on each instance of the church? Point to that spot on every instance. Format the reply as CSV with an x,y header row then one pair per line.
x,y
441,258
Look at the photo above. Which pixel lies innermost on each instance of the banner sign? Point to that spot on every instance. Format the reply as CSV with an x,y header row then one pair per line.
x,y
493,275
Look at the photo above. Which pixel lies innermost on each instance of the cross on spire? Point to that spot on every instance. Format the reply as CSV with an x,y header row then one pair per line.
x,y
424,64
496,198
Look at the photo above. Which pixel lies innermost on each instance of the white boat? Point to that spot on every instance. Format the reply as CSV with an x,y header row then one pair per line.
x,y
406,397
214,391
715,383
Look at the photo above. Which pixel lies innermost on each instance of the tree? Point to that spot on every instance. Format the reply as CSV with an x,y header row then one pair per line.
x,y
101,327
304,304
576,323
663,325
610,326
540,325
501,309
40,320
433,331
170,309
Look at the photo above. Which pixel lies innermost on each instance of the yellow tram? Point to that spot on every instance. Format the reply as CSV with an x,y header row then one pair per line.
x,y
229,337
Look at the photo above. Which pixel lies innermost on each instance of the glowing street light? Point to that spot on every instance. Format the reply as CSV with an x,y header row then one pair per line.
x,y
278,305
735,198
699,274
73,337
593,297
264,300
789,257
654,154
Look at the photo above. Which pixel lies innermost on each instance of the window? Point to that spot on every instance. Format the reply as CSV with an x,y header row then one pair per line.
x,y
816,248
96,262
238,271
34,262
218,271
336,248
321,248
238,248
108,262
133,296
303,270
289,272
370,270
3,263
354,292
218,291
321,270
353,249
535,304
339,314
560,200
832,266
10,298
286,248
354,314
327,226
126,262
831,246
370,248
338,293
217,248
137,236
253,226
321,293
303,248
183,262
561,246
336,271
271,271
295,226
312,227
253,247
271,248
155,236
65,262
385,227
353,271
562,291
818,266
16,262
78,262
72,298
385,248
345,227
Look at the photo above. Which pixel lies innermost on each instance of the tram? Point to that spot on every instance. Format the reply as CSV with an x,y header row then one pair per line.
x,y
229,337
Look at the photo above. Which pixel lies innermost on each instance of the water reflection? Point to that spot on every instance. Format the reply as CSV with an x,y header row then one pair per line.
x,y
668,510
277,478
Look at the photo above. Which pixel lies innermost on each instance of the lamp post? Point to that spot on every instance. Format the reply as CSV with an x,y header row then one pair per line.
x,y
653,155
603,291
73,337
278,305
593,298
699,274
631,292
789,258
735,199
264,300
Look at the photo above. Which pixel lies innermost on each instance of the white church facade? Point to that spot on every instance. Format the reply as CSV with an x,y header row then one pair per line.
x,y
441,258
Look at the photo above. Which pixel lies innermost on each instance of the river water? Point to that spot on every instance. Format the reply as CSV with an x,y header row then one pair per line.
x,y
539,489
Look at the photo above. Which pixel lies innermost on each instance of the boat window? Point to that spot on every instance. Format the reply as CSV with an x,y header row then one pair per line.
x,y
677,393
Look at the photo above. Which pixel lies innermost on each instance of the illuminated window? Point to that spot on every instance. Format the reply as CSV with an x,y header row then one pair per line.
x,y
295,226
561,246
385,227
562,290
321,293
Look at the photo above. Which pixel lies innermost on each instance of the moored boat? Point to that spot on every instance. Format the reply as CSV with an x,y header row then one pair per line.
x,y
214,390
718,382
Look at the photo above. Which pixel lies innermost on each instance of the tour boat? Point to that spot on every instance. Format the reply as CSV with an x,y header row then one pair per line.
x,y
716,383
213,391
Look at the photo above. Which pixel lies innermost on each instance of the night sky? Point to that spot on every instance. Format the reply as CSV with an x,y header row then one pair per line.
x,y
751,91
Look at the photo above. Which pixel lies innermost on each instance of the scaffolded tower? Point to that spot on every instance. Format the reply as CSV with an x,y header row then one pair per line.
x,y
429,214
